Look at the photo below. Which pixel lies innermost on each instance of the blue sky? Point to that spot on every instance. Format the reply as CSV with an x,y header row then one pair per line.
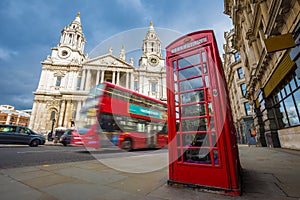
x,y
30,28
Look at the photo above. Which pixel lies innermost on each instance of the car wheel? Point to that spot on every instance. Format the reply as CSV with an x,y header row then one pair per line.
x,y
34,143
127,144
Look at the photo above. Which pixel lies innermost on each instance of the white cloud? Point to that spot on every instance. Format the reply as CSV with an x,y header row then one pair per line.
x,y
6,54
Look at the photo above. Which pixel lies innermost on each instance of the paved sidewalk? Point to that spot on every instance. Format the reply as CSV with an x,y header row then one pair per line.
x,y
267,174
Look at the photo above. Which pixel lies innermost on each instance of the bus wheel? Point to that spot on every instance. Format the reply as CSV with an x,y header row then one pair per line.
x,y
127,144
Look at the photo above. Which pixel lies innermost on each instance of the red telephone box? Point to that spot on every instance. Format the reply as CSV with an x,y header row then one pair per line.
x,y
203,150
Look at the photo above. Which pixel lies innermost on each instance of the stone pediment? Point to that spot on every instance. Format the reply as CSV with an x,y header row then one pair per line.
x,y
109,61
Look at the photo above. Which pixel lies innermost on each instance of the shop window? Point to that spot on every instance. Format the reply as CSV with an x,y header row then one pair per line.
x,y
286,104
291,111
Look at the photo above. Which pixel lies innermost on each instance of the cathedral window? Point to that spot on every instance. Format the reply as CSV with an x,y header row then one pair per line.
x,y
78,82
64,53
58,81
136,86
153,87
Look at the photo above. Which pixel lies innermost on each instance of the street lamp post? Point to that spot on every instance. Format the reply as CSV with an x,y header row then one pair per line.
x,y
53,122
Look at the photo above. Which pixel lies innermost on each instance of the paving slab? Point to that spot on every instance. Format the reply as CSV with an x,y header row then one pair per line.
x,y
267,174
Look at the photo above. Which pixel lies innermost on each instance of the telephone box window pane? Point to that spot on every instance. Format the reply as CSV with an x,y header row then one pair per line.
x,y
187,139
190,60
195,140
204,68
198,124
177,112
201,156
216,157
175,75
177,125
176,100
179,155
201,140
206,81
189,72
190,97
203,53
178,140
210,109
193,110
174,64
175,87
191,84
214,140
212,124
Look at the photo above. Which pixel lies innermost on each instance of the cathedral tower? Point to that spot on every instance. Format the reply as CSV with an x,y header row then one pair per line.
x,y
54,103
150,76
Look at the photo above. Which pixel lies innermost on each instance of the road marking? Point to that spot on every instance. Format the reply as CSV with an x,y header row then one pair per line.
x,y
41,151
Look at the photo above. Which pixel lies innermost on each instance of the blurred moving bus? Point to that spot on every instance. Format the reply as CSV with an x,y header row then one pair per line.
x,y
123,117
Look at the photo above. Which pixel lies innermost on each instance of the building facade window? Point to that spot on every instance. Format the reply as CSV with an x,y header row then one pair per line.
x,y
237,56
247,108
240,73
243,89
78,83
58,81
153,87
286,103
136,85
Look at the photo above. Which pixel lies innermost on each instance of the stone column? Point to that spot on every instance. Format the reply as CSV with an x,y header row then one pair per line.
x,y
67,113
32,118
62,113
78,110
41,122
75,79
264,10
113,77
97,77
102,76
255,51
82,80
48,80
8,119
88,80
131,81
127,80
118,77
42,82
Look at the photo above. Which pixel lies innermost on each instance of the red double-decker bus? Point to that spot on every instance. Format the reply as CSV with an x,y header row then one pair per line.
x,y
124,118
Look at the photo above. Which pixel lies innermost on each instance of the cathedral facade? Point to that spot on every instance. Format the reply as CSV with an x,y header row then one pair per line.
x,y
68,74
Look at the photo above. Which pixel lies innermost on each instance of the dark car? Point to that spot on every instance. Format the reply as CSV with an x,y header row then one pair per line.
x,y
11,134
72,137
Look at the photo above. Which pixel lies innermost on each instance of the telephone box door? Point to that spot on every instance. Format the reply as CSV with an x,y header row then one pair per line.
x,y
199,133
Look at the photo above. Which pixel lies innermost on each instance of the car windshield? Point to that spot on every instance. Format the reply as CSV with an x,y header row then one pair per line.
x,y
82,131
